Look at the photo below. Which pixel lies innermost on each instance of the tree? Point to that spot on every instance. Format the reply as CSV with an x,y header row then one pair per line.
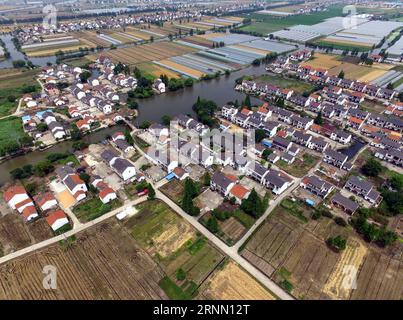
x,y
128,137
180,274
206,179
319,120
166,120
253,205
338,243
390,86
43,168
79,145
42,127
372,167
260,134
396,182
341,74
266,153
247,102
19,63
151,192
85,177
145,125
212,225
84,76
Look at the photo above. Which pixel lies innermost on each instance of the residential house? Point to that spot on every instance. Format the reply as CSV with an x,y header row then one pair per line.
x,y
334,158
239,192
317,186
345,203
281,143
318,144
341,136
221,183
45,201
364,189
57,220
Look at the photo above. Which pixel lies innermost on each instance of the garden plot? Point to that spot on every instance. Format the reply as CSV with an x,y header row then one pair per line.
x,y
196,65
209,62
177,67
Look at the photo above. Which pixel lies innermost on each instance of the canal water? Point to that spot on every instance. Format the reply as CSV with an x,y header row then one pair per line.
x,y
65,146
353,149
17,55
220,90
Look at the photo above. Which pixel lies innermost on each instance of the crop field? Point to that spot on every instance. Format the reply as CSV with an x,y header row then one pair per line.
x,y
103,262
142,34
159,229
325,61
146,53
199,41
15,234
176,246
230,282
15,78
11,131
292,251
358,72
90,38
265,24
157,71
177,67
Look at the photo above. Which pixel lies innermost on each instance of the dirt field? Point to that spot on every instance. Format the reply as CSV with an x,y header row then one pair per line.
x,y
15,234
159,229
230,283
288,249
325,61
173,190
156,70
103,263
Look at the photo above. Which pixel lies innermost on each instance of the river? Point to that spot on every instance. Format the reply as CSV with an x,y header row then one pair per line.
x,y
220,90
17,55
353,149
65,146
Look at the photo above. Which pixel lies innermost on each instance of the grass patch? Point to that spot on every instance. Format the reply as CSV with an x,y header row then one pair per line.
x,y
340,46
172,290
196,246
140,143
294,209
300,167
94,208
11,132
245,219
286,83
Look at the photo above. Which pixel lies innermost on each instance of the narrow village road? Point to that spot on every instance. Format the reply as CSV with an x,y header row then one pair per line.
x,y
70,233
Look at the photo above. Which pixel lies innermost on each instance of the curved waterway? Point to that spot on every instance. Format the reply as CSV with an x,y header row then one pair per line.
x,y
65,146
220,90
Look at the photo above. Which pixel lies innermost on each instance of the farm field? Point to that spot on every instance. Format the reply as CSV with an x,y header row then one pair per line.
x,y
230,282
16,235
174,190
294,254
145,53
265,24
156,71
176,247
180,68
12,78
103,262
94,208
326,61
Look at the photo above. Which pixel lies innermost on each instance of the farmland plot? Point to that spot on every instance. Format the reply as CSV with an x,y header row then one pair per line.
x,y
103,263
230,283
288,250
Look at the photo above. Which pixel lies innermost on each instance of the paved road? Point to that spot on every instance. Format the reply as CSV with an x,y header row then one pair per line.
x,y
76,230
231,252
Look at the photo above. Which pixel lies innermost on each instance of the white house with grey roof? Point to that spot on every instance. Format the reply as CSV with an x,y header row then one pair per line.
x,y
221,183
335,158
364,189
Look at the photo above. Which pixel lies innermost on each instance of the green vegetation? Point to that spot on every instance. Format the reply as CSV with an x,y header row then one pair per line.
x,y
372,167
339,46
205,111
180,274
263,24
254,205
287,285
195,246
12,136
191,191
287,83
172,290
9,97
94,208
338,243
294,208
